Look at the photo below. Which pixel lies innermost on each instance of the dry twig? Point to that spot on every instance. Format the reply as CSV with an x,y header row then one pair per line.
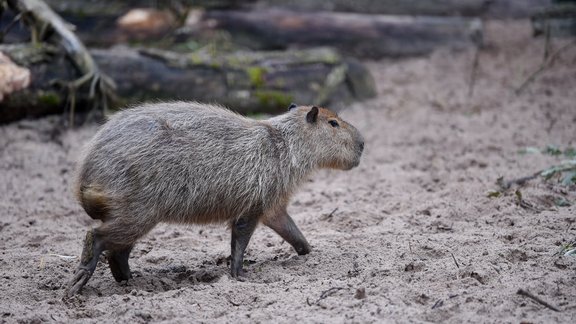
x,y
329,216
438,304
549,61
505,185
456,262
325,294
475,64
232,302
332,213
537,299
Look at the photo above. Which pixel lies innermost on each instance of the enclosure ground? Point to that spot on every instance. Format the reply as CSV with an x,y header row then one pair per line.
x,y
409,235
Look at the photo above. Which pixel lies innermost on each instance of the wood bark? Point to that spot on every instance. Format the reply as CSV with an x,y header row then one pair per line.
x,y
360,35
355,34
249,82
469,8
95,21
48,27
556,21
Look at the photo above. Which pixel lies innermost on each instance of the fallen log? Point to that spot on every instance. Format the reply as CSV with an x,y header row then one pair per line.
x,y
42,96
249,82
115,7
104,29
386,7
470,8
12,76
96,22
556,21
356,34
360,35
47,26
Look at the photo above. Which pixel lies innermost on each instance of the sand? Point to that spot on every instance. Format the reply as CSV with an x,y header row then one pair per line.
x,y
408,236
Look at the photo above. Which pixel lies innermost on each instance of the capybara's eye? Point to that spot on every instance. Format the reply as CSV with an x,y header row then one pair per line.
x,y
334,123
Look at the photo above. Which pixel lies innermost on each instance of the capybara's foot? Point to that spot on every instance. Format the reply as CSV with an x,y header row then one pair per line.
x,y
284,225
78,281
93,247
303,249
118,262
237,274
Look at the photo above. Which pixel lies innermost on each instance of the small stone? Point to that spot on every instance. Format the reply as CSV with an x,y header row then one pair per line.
x,y
360,293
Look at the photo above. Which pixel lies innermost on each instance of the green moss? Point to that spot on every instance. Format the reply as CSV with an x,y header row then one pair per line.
x,y
258,115
215,65
49,98
196,59
272,98
256,75
81,14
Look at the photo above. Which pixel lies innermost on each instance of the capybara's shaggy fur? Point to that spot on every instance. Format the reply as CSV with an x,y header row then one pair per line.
x,y
194,163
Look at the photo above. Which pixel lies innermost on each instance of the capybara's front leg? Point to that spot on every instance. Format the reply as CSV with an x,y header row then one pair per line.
x,y
93,247
284,225
242,230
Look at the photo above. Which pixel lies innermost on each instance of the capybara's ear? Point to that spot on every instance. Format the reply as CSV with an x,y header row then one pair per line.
x,y
312,115
292,106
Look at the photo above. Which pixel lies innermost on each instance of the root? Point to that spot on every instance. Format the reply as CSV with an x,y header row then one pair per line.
x,y
549,59
42,21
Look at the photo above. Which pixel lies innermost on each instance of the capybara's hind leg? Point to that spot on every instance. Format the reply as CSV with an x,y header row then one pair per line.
x,y
93,247
118,262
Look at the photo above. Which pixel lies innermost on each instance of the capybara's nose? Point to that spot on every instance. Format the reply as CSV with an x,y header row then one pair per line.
x,y
361,146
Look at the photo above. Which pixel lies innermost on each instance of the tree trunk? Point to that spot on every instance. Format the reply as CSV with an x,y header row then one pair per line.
x,y
557,21
470,8
249,82
360,35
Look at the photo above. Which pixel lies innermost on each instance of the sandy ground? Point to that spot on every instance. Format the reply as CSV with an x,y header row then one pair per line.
x,y
409,235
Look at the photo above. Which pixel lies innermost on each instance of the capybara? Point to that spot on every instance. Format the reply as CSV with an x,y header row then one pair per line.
x,y
193,163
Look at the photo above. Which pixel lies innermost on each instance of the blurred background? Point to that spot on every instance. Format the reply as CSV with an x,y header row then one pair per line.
x,y
465,194
255,56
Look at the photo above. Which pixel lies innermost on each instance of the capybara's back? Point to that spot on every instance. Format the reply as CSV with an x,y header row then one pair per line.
x,y
200,164
195,163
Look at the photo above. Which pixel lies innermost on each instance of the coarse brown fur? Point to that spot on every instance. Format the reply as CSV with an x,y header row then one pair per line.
x,y
194,163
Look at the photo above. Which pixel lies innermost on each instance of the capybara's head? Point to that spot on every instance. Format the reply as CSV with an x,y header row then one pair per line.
x,y
333,142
